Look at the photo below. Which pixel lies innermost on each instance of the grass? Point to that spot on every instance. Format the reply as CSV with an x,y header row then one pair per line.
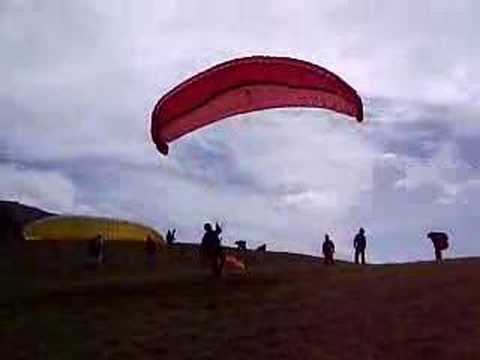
x,y
289,307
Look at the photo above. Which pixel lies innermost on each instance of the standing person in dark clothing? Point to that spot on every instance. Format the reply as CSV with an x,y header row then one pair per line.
x,y
440,243
151,251
211,248
96,251
100,249
328,249
360,244
92,252
170,236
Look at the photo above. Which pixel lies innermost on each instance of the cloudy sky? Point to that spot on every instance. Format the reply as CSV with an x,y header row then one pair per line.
x,y
79,81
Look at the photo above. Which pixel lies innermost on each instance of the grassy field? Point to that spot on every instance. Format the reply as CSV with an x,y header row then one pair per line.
x,y
288,307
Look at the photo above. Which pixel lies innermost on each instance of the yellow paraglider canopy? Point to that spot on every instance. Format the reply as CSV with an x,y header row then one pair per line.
x,y
59,228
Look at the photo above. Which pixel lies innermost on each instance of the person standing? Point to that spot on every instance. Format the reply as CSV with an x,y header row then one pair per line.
x,y
100,250
440,243
150,251
211,248
328,249
170,236
360,245
96,251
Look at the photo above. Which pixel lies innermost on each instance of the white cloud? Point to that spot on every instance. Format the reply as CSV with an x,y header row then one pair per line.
x,y
46,189
444,170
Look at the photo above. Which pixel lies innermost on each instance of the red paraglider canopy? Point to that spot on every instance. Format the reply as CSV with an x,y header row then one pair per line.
x,y
249,84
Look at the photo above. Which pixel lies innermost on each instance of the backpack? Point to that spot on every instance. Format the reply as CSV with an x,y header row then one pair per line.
x,y
442,244
439,239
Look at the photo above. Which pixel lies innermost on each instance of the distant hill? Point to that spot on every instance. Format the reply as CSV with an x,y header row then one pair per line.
x,y
13,217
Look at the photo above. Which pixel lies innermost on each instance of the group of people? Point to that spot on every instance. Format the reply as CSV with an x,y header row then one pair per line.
x,y
212,253
439,240
214,257
96,251
359,245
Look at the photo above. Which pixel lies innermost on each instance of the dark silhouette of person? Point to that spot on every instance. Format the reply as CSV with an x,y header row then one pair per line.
x,y
261,248
100,249
150,250
96,250
211,248
170,236
440,243
241,245
328,249
360,245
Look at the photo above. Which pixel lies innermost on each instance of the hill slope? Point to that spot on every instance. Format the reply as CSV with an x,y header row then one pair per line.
x,y
289,307
13,217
